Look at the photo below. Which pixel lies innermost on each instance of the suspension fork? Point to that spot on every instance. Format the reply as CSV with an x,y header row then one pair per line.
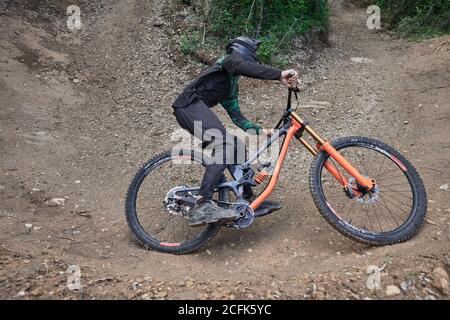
x,y
366,183
299,124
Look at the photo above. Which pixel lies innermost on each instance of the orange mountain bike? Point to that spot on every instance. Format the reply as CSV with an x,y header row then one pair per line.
x,y
364,188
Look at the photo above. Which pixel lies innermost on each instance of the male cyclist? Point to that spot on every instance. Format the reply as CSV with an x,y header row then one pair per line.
x,y
219,84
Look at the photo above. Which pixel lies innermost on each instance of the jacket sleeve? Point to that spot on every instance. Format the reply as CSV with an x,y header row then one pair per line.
x,y
233,110
237,65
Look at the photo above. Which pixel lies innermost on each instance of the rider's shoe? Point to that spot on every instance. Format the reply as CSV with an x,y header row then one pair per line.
x,y
206,211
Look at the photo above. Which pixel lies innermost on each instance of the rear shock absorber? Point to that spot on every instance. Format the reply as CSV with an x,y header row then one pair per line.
x,y
264,171
261,176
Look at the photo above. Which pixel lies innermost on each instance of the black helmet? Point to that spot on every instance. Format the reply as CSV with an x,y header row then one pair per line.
x,y
246,47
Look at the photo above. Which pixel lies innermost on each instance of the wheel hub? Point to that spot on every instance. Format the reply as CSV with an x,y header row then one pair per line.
x,y
172,203
368,197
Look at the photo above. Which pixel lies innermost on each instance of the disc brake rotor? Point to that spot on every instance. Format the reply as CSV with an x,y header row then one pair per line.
x,y
172,205
370,197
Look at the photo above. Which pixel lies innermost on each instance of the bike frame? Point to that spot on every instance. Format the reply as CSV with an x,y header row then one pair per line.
x,y
295,126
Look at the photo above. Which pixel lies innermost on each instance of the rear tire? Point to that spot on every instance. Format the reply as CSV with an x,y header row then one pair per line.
x,y
150,241
419,204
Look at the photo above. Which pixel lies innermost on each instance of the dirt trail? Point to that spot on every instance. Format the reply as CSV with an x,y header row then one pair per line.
x,y
80,112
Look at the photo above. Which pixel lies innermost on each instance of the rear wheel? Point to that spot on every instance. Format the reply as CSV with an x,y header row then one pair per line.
x,y
393,212
164,226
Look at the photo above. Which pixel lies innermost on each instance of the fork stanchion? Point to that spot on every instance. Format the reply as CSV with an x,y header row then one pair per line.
x,y
308,129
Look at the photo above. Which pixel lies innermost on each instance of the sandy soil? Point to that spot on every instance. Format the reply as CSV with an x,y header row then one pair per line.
x,y
80,112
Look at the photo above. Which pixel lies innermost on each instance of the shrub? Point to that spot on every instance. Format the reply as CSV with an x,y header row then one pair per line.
x,y
417,18
189,42
275,22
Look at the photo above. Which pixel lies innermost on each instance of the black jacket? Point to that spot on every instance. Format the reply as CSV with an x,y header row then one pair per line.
x,y
215,84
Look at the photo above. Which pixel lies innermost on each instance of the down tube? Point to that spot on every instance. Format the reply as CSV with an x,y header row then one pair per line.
x,y
274,179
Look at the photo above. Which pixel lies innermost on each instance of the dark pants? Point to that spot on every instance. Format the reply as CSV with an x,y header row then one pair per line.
x,y
226,148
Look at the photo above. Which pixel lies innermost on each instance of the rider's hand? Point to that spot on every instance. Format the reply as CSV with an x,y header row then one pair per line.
x,y
289,78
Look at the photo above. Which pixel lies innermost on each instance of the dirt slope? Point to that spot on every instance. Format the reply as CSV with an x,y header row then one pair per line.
x,y
80,112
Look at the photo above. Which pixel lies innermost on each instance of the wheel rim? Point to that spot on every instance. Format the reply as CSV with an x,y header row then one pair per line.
x,y
388,209
161,226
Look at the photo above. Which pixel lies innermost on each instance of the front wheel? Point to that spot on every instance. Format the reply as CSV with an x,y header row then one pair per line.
x,y
392,212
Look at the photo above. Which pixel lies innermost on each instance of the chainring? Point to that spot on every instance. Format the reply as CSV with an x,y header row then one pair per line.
x,y
246,213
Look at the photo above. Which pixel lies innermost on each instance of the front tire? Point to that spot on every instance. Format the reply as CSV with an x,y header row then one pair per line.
x,y
351,217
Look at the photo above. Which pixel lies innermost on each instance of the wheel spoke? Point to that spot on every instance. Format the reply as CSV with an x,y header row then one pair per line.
x,y
167,224
399,193
391,212
388,207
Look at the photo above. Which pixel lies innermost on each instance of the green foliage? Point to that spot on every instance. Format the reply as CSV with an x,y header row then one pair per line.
x,y
275,22
417,19
189,42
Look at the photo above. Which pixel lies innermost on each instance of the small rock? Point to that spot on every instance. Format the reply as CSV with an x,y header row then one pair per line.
x,y
318,295
56,202
441,280
145,296
135,285
21,294
440,272
37,228
405,122
354,296
373,282
361,60
444,187
158,23
392,291
442,285
406,285
77,181
161,294
76,80
29,226
36,292
208,252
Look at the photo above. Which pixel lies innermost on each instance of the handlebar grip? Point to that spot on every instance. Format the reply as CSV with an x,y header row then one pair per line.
x,y
295,89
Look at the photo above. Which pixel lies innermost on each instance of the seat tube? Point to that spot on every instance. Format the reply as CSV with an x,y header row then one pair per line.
x,y
295,126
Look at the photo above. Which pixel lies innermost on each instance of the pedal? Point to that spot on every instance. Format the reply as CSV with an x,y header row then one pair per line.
x,y
267,208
